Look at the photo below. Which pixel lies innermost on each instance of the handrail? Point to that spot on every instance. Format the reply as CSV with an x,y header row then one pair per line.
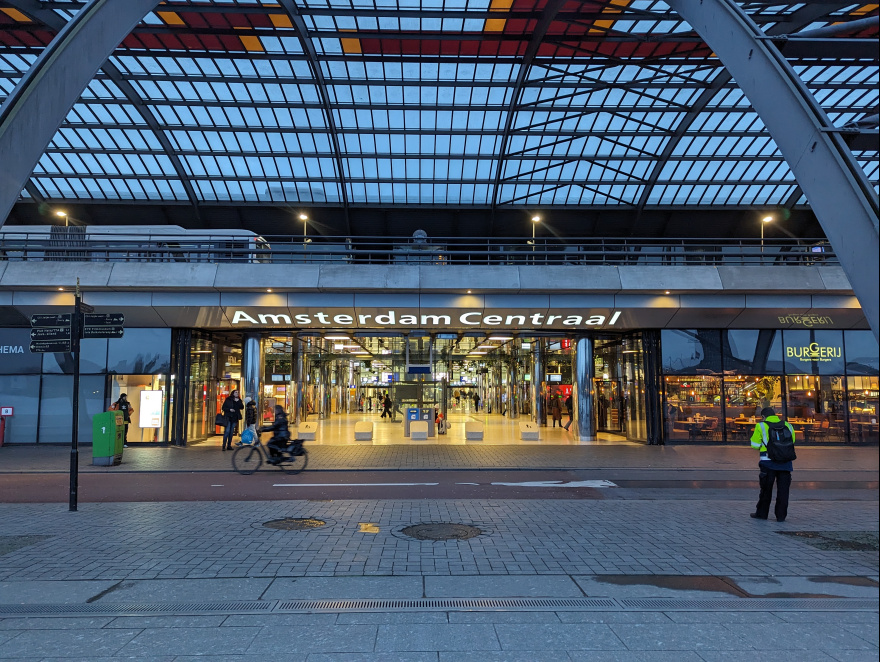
x,y
217,246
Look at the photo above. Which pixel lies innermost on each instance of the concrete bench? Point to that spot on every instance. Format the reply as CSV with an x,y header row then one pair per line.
x,y
473,431
418,430
529,432
307,431
363,431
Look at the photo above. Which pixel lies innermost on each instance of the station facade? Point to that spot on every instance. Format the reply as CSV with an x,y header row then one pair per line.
x,y
670,354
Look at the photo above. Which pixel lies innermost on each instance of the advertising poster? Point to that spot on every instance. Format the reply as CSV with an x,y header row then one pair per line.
x,y
151,409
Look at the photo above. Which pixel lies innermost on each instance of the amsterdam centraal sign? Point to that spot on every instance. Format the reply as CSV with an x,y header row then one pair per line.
x,y
391,318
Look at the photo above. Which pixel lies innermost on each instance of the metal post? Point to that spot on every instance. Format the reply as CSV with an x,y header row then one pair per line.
x,y
582,374
513,387
538,409
74,437
251,360
298,381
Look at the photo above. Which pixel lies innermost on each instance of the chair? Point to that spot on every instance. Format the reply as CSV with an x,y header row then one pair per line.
x,y
820,433
710,431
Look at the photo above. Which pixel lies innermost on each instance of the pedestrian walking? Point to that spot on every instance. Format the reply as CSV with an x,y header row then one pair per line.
x,y
569,407
556,410
774,440
231,409
386,406
476,401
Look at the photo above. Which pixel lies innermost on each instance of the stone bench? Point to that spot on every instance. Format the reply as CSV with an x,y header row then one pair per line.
x,y
529,432
418,430
363,431
473,431
307,431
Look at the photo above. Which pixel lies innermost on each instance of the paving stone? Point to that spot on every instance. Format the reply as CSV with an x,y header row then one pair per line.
x,y
780,656
505,656
278,620
395,617
503,617
21,591
190,641
635,656
58,623
612,617
75,643
427,638
373,657
341,588
192,590
131,622
830,586
677,636
801,636
315,639
497,587
546,637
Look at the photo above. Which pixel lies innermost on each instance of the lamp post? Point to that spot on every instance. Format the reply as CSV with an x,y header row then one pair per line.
x,y
535,220
305,220
63,214
766,219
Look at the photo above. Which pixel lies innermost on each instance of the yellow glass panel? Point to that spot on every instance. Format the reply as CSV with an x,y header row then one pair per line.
x,y
170,17
16,15
280,20
252,43
494,25
500,5
351,45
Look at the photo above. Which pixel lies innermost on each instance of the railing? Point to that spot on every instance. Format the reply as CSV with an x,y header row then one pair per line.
x,y
217,247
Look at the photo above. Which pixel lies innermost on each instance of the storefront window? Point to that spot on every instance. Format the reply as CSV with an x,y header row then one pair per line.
x,y
863,408
15,355
140,352
92,360
816,407
693,408
691,351
752,351
56,407
813,352
148,395
277,376
200,414
861,353
744,397
22,393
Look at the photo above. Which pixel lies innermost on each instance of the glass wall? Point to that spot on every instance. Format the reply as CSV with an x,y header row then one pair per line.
x,y
823,381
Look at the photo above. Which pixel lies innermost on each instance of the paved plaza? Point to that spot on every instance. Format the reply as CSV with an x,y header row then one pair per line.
x,y
657,574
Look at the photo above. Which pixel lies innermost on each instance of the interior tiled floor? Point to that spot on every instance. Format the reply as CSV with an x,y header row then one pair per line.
x,y
338,429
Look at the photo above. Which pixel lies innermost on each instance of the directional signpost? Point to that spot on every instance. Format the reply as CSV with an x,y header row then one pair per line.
x,y
62,333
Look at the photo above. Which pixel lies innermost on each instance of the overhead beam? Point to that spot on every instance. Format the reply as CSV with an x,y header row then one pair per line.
x,y
32,113
36,10
308,47
839,193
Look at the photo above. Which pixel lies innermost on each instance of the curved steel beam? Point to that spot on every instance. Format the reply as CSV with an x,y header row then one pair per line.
x,y
31,115
798,19
37,12
309,49
838,190
548,15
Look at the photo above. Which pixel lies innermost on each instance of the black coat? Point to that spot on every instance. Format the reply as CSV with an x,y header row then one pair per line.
x,y
250,414
279,428
232,409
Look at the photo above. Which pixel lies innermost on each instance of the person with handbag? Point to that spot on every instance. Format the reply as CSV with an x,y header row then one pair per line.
x,y
249,433
231,409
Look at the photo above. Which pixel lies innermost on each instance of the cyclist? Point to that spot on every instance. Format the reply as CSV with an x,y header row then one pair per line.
x,y
281,438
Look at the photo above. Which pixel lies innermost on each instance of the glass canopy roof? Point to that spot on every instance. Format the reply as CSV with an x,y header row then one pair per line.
x,y
495,103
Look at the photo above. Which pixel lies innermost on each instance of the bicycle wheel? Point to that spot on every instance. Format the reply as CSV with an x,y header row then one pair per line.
x,y
295,464
247,459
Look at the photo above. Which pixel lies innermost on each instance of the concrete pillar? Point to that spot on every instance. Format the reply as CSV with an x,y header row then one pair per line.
x,y
582,373
251,363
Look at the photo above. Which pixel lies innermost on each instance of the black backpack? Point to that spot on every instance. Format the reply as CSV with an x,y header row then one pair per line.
x,y
780,443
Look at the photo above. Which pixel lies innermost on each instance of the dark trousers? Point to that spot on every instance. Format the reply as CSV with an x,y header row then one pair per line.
x,y
766,478
227,435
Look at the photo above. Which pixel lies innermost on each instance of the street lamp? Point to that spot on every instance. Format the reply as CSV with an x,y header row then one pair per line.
x,y
535,220
766,219
305,220
63,214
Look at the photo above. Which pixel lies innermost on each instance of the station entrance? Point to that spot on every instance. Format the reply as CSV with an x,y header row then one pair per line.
x,y
475,375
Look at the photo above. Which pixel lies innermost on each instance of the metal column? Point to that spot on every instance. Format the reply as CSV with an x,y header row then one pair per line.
x,y
512,388
582,373
298,386
538,410
251,360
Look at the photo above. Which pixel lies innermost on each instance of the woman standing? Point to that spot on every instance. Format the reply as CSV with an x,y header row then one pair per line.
x,y
232,408
127,410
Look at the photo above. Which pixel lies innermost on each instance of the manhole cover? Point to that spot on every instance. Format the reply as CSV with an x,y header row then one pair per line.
x,y
295,523
838,541
441,531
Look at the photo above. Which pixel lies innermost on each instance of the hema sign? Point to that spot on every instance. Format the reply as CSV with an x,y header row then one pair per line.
x,y
392,318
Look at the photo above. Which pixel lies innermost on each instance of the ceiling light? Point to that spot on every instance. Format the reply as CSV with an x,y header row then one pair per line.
x,y
336,337
269,290
500,337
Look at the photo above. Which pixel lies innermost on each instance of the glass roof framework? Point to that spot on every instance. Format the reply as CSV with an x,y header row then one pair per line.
x,y
611,107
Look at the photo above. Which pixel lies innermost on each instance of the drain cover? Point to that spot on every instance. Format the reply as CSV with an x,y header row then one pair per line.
x,y
295,523
441,531
838,541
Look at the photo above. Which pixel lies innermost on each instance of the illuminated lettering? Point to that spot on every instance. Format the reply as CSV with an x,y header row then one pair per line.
x,y
493,320
436,320
409,319
276,319
464,319
572,320
323,318
386,319
614,318
520,320
303,319
537,317
345,320
595,320
241,316
363,318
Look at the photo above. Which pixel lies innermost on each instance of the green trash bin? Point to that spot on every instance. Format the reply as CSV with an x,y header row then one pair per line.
x,y
107,428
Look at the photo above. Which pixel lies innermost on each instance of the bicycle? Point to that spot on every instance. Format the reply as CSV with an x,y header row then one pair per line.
x,y
248,459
